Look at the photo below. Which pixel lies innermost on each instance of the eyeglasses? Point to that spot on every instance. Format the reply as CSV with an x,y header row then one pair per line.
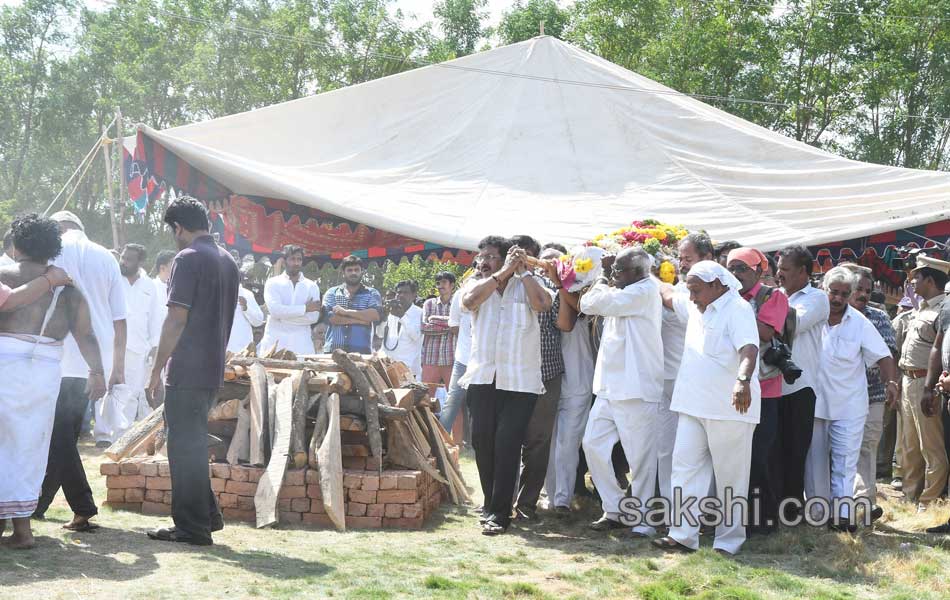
x,y
484,257
738,268
615,271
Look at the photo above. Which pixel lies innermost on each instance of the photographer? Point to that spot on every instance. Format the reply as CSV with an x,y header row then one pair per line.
x,y
401,332
796,409
771,307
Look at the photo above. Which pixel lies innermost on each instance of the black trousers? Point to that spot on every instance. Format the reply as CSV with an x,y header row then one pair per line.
x,y
796,420
499,425
186,425
64,467
537,444
764,478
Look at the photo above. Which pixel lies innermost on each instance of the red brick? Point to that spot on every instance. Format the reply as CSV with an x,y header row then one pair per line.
x,y
388,482
352,438
155,495
134,506
134,495
293,491
314,491
403,523
370,483
350,480
228,501
128,468
412,511
218,485
317,507
393,511
408,482
373,463
362,496
355,450
125,481
158,483
375,510
294,477
284,504
254,474
314,519
154,508
148,469
356,463
164,470
312,476
364,522
357,509
396,496
238,473
109,468
221,471
300,505
234,514
241,488
289,517
167,498
117,495
245,503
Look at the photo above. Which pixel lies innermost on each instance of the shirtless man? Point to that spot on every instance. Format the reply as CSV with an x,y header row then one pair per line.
x,y
31,342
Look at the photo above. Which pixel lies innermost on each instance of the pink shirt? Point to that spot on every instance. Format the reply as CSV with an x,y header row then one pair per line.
x,y
5,292
772,312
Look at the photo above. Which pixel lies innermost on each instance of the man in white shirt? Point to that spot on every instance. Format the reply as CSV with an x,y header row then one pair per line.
x,y
718,397
163,270
694,248
628,383
503,379
95,273
401,332
144,317
460,323
293,306
6,258
796,407
850,343
247,316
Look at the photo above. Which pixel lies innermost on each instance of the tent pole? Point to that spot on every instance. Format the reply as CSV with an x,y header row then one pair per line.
x,y
123,184
108,162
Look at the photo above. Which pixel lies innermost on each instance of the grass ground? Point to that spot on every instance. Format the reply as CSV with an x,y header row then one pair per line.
x,y
450,559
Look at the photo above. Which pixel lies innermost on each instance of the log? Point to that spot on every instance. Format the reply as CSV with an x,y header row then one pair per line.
x,y
451,470
138,436
239,449
399,374
441,457
379,386
370,400
422,441
224,410
319,428
352,423
265,499
401,397
377,363
223,429
330,459
271,416
354,405
297,365
402,451
159,447
234,389
298,432
257,406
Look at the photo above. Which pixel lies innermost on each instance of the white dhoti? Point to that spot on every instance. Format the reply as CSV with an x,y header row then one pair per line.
x,y
633,423
705,448
565,449
666,437
124,404
31,375
832,462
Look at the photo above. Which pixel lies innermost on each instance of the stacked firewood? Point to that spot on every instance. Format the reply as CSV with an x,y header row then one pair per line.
x,y
284,411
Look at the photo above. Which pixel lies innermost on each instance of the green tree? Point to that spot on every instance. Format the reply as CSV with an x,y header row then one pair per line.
x,y
421,271
461,23
522,21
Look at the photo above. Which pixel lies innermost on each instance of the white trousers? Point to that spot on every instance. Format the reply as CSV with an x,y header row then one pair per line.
x,y
705,448
666,438
633,423
117,412
865,484
832,462
572,412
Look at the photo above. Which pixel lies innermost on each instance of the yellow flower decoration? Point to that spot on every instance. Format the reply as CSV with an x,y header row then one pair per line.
x,y
583,265
667,272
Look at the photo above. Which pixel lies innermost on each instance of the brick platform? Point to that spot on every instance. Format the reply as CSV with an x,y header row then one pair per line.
x,y
397,499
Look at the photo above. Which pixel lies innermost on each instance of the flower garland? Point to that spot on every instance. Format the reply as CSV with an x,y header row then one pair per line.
x,y
659,240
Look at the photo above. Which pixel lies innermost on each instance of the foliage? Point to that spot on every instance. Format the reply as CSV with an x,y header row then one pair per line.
x,y
461,22
421,271
522,21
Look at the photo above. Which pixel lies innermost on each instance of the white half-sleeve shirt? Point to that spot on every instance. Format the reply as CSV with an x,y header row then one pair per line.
x,y
242,332
811,313
402,339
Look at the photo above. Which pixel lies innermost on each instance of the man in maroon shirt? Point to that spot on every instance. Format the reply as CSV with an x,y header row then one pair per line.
x,y
202,296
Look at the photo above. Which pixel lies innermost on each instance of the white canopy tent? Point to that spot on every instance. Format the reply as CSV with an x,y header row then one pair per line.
x,y
543,138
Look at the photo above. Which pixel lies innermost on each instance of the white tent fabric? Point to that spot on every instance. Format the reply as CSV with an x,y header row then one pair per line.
x,y
488,144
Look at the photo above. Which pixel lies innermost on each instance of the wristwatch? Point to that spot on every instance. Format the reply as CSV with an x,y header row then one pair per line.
x,y
743,378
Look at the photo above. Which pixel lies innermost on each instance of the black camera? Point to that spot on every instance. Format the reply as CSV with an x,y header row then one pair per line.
x,y
779,355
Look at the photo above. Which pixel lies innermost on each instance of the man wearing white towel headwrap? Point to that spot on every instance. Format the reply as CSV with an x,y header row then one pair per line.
x,y
718,397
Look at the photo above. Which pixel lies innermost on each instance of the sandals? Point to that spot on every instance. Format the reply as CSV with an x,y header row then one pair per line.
x,y
668,544
492,528
171,534
85,526
605,524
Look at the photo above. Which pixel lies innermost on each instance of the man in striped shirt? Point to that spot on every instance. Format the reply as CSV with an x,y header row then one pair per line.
x,y
438,341
503,378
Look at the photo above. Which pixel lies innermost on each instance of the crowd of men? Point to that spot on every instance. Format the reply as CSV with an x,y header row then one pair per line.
x,y
738,400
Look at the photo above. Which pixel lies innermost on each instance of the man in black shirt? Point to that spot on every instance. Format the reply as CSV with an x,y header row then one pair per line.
x,y
202,296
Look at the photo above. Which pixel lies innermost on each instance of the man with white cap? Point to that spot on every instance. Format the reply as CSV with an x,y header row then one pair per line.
x,y
628,383
95,273
924,463
718,397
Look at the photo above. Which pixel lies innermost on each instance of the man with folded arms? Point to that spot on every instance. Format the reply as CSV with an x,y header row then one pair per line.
x,y
628,383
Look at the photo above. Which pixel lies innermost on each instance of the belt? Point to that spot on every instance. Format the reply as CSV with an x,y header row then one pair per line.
x,y
915,373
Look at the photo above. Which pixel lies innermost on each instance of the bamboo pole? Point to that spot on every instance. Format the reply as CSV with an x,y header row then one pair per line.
x,y
108,161
123,184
